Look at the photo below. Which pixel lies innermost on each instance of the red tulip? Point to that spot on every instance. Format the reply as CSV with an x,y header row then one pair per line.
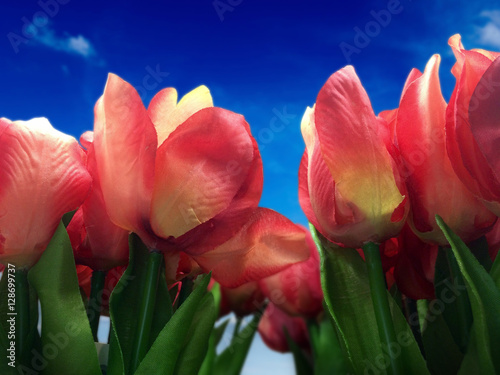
x,y
297,289
472,120
42,177
188,176
414,268
243,300
350,185
433,186
272,327
96,241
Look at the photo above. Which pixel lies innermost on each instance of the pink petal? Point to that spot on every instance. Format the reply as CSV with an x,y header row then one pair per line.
x,y
297,289
272,327
43,177
200,169
167,114
125,148
105,245
267,244
484,115
353,146
433,186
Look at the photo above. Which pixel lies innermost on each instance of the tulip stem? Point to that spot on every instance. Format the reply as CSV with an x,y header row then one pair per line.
x,y
95,300
146,310
380,301
22,317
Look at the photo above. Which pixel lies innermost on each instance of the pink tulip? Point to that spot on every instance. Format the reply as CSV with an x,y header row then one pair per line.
x,y
350,185
472,122
433,186
272,327
188,176
42,177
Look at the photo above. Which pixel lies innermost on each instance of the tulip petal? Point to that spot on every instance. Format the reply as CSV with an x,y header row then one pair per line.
x,y
297,289
467,159
167,114
212,233
415,263
484,116
104,245
125,148
267,244
434,188
352,144
43,177
272,326
200,169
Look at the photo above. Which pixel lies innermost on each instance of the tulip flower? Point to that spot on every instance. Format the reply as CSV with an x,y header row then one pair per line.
x,y
96,241
272,327
433,186
174,169
472,122
297,289
188,176
243,300
350,186
43,176
414,268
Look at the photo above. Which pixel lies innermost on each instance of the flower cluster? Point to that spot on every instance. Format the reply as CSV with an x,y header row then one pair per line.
x,y
153,219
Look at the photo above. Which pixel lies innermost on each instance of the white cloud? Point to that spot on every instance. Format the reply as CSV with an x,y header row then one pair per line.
x,y
74,45
489,34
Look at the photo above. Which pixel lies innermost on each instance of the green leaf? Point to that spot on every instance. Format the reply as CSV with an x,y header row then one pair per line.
x,y
439,343
232,359
163,307
68,346
215,337
33,339
452,297
197,340
346,288
166,350
485,302
218,332
302,363
124,308
328,354
495,272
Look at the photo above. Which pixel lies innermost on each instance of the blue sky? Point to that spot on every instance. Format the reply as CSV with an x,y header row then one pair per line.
x,y
266,60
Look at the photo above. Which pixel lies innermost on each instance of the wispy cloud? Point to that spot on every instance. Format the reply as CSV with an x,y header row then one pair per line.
x,y
489,34
73,45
